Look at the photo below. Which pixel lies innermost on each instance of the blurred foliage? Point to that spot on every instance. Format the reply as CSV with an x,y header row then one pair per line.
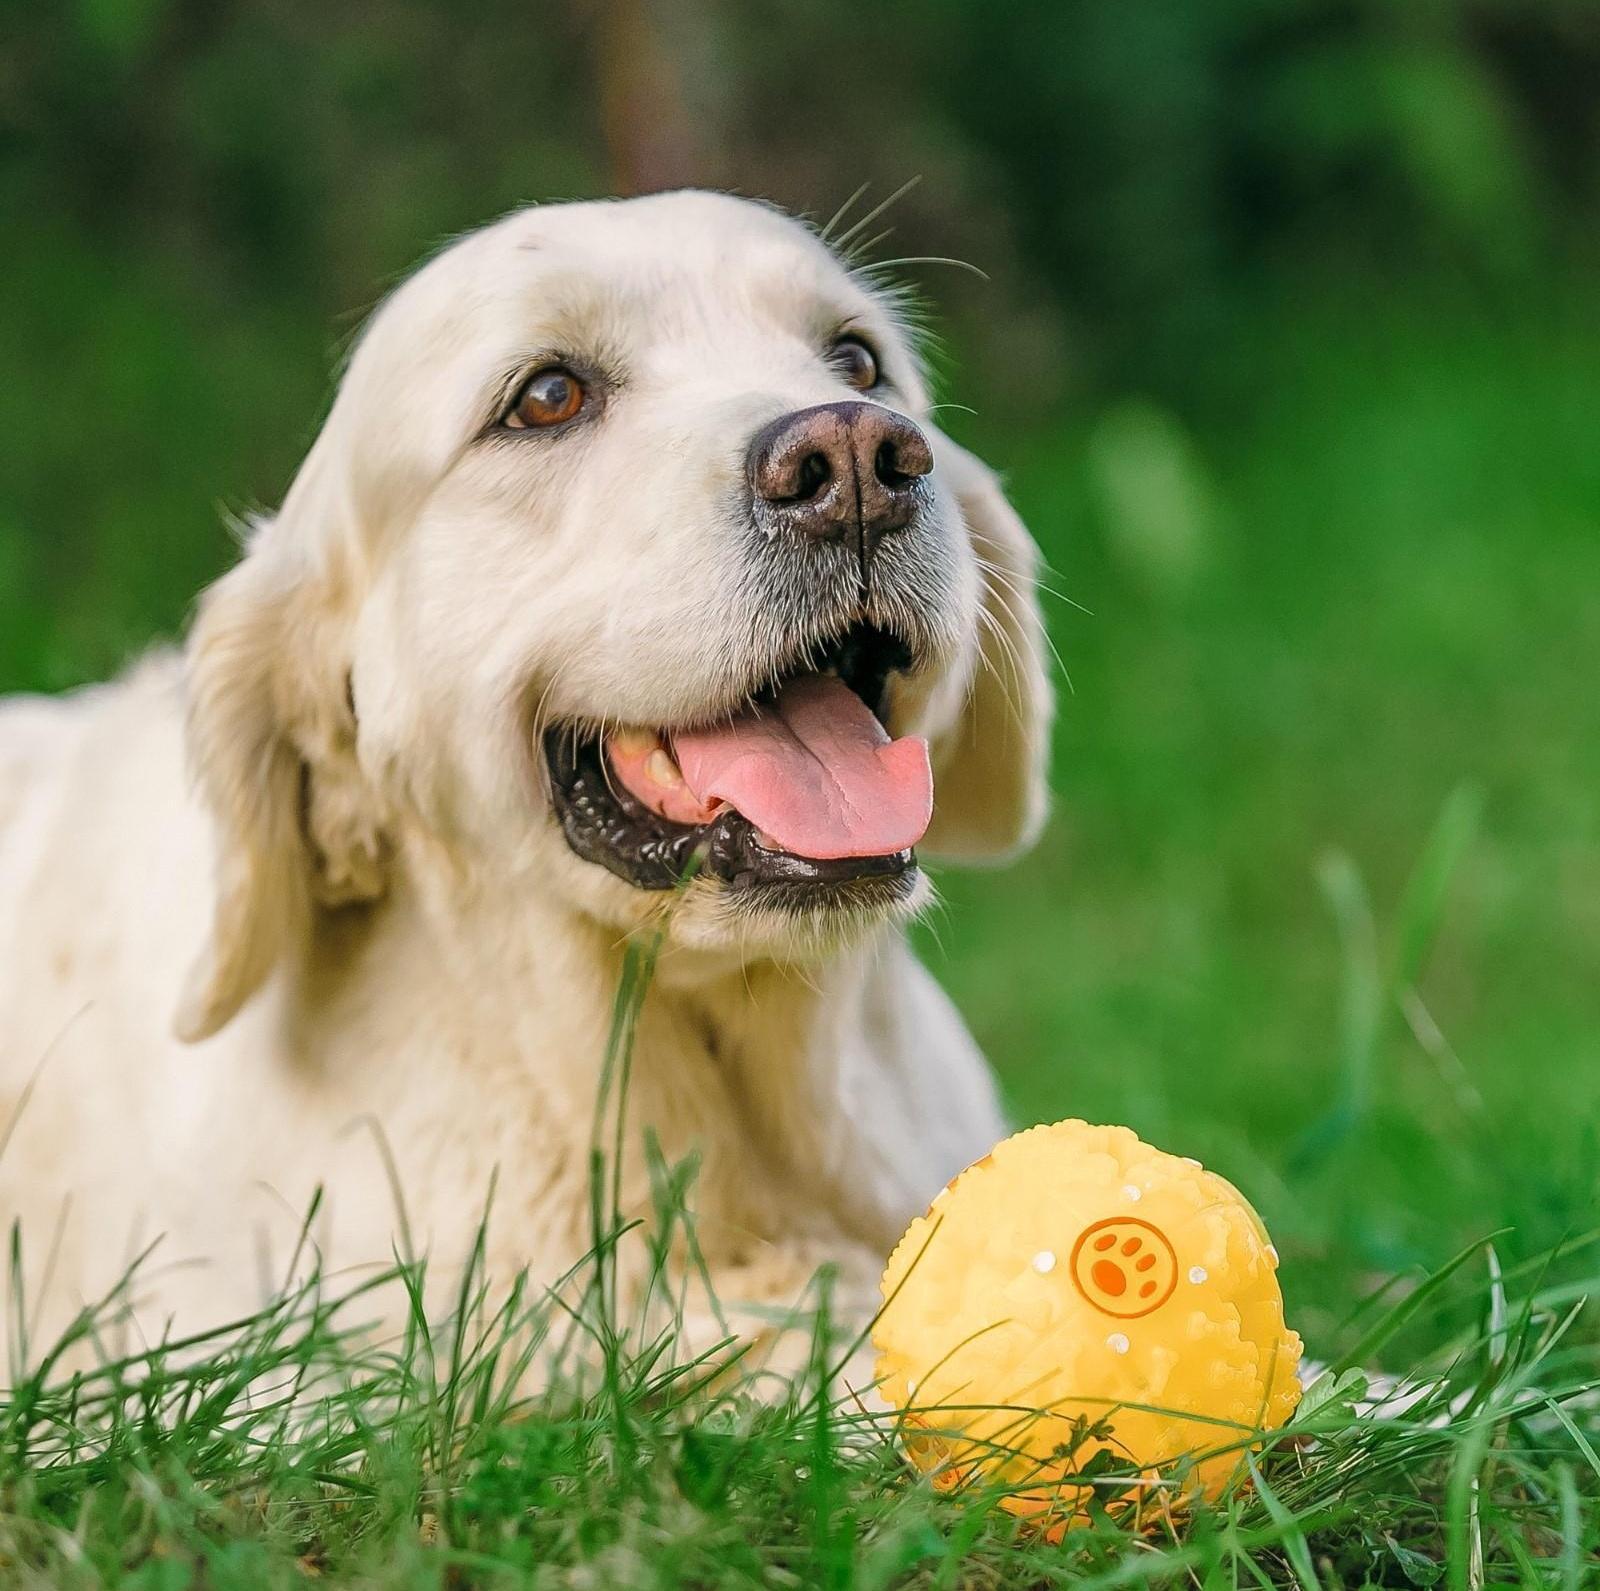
x,y
1289,339
202,199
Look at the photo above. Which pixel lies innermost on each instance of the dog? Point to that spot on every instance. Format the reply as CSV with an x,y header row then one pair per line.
x,y
628,590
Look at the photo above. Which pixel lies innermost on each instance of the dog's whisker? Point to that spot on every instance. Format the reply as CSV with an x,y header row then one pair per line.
x,y
998,588
858,227
862,249
826,234
1009,679
1011,579
928,259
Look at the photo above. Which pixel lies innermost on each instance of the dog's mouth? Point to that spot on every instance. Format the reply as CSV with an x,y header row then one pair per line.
x,y
802,789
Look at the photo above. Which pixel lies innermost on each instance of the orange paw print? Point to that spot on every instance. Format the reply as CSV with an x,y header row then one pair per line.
x,y
1124,1266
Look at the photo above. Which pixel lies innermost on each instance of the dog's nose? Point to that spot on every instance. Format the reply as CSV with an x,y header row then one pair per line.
x,y
840,471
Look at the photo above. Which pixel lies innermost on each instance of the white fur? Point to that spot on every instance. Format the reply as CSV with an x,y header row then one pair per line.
x,y
366,921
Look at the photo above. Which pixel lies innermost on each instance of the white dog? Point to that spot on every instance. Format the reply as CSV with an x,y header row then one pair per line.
x,y
627,541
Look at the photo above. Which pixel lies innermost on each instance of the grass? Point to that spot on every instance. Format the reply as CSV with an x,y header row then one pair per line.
x,y
419,1467
1388,511
1318,906
295,1446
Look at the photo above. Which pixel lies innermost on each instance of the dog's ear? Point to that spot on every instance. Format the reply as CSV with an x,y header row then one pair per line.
x,y
991,788
272,744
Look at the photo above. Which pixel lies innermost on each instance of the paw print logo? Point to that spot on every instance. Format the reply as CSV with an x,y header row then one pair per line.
x,y
1124,1266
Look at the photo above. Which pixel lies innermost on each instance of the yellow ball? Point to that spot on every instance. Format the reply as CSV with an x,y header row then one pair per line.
x,y
1076,1279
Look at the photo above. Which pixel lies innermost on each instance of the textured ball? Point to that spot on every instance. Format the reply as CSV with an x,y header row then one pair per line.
x,y
1075,1280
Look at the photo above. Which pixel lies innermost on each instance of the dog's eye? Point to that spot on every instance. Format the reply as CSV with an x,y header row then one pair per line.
x,y
854,359
551,396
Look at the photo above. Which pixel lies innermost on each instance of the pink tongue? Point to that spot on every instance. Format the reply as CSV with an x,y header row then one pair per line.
x,y
816,774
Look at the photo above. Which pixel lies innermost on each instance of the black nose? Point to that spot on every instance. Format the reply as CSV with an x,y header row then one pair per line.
x,y
840,471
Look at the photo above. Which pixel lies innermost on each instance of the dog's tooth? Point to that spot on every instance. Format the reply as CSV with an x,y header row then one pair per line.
x,y
635,742
663,769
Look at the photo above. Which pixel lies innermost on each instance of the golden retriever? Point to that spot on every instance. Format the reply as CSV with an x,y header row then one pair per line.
x,y
628,543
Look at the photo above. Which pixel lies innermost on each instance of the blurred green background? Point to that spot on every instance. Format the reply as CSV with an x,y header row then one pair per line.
x,y
1289,344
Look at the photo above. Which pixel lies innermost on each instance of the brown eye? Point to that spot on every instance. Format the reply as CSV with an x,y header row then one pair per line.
x,y
856,362
551,396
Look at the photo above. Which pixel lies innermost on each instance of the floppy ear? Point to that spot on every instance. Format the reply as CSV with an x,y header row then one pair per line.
x,y
990,772
272,742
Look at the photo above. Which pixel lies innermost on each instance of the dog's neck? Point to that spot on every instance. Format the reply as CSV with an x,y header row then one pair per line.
x,y
751,1066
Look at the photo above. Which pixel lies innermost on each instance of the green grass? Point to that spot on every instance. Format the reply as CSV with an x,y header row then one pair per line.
x,y
296,1446
1318,906
1387,519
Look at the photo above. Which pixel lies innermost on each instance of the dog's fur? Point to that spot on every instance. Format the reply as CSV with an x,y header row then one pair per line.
x,y
299,895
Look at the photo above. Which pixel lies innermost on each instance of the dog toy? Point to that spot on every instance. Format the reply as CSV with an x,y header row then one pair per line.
x,y
1078,1317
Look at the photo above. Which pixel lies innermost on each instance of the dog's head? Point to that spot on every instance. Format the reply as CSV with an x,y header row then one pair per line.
x,y
627,548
